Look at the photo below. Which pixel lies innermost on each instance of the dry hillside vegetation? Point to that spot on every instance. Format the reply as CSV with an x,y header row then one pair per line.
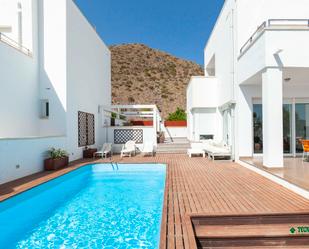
x,y
142,75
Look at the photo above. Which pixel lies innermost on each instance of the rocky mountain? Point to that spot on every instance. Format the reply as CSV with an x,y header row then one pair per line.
x,y
142,75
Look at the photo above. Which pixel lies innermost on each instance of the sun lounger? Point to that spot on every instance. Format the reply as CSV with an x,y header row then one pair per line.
x,y
148,149
216,149
196,149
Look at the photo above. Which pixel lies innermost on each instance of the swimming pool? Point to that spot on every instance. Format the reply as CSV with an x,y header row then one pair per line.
x,y
96,206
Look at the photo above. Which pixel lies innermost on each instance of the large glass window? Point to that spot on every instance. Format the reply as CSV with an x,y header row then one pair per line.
x,y
258,128
287,128
301,125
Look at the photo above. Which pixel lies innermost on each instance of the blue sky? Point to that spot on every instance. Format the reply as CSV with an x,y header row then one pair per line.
x,y
179,27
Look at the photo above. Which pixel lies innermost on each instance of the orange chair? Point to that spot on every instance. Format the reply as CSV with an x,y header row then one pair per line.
x,y
305,144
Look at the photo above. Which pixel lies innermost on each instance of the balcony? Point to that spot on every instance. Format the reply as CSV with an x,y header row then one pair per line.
x,y
279,24
276,43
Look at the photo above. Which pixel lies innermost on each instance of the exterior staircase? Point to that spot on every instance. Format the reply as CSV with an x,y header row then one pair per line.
x,y
175,146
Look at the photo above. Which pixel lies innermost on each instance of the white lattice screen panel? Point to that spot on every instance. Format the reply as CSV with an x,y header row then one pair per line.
x,y
121,136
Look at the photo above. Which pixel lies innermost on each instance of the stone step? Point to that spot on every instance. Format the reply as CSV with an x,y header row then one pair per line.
x,y
174,146
172,152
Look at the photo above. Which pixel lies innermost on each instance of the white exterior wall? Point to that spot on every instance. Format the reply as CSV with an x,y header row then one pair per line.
x,y
148,135
70,67
206,122
221,45
24,156
9,17
88,75
19,93
53,65
19,102
175,132
202,101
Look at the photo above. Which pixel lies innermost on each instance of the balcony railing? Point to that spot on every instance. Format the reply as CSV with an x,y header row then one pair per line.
x,y
9,41
275,23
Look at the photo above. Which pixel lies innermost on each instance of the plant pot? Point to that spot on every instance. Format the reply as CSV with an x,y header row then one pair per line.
x,y
180,123
142,122
257,146
58,163
160,138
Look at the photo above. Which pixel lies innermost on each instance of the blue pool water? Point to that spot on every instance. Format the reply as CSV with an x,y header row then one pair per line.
x,y
96,206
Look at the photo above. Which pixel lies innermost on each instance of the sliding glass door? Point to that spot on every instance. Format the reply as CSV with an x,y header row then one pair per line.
x,y
287,129
258,128
301,125
295,126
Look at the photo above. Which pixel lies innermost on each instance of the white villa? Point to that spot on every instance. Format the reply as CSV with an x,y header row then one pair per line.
x,y
53,65
255,93
251,106
56,86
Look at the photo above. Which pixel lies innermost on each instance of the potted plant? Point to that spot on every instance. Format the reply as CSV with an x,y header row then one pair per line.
x,y
58,158
160,137
177,119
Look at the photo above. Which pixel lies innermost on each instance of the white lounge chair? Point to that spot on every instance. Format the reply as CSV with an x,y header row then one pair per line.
x,y
216,149
196,149
148,149
128,149
104,151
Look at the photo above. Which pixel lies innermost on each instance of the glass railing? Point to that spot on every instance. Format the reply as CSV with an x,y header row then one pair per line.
x,y
275,23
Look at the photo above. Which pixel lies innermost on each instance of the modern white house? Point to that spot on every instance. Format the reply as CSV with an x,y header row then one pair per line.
x,y
55,76
255,93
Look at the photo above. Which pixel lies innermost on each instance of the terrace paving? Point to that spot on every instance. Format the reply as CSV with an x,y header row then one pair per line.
x,y
195,185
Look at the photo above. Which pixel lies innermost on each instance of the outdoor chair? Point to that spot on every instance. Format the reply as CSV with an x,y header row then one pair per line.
x,y
305,144
128,149
104,151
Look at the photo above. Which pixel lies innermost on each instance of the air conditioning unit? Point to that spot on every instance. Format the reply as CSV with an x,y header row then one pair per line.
x,y
44,108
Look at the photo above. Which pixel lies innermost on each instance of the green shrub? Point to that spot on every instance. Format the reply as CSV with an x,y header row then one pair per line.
x,y
178,115
57,153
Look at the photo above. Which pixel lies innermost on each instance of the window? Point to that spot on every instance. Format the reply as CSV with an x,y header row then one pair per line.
x,y
44,108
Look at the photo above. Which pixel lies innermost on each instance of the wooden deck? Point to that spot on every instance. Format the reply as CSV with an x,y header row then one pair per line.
x,y
196,185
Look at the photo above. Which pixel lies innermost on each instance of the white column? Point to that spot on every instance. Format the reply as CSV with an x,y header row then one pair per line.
x,y
272,118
